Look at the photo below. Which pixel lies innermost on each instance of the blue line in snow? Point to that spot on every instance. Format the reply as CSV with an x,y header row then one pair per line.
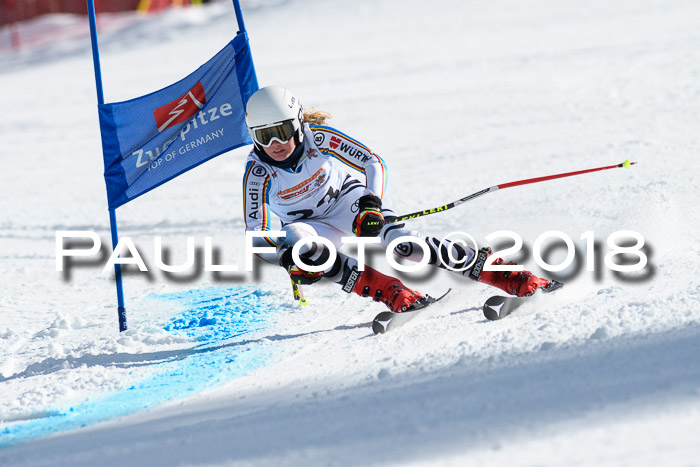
x,y
216,318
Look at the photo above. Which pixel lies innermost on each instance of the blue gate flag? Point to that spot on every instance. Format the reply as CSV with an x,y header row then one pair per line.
x,y
152,139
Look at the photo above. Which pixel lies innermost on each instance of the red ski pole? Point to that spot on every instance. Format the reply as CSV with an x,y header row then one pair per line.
x,y
627,164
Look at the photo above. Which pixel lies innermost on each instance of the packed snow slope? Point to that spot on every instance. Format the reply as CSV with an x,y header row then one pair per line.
x,y
456,96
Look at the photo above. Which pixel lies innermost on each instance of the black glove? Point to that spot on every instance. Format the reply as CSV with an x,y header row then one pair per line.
x,y
369,220
298,275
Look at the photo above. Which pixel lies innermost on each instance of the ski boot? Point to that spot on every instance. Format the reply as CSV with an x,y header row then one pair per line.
x,y
385,289
518,283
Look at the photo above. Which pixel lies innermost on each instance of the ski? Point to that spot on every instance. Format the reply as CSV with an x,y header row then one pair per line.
x,y
388,320
498,306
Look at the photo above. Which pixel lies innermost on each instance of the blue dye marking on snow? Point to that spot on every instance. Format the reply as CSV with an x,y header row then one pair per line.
x,y
217,318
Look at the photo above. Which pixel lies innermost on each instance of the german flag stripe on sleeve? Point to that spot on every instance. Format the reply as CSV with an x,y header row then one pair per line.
x,y
265,205
344,160
350,163
266,209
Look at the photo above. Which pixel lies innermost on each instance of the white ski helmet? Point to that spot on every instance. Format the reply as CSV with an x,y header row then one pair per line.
x,y
274,113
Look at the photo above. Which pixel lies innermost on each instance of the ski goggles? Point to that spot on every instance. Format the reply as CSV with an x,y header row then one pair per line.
x,y
281,132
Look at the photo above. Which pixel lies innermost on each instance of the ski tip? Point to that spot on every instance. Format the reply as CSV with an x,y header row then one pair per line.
x,y
443,295
381,322
496,307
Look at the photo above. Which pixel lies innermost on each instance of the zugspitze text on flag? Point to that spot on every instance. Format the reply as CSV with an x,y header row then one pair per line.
x,y
151,139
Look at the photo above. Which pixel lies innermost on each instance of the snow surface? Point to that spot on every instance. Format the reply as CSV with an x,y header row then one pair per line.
x,y
457,96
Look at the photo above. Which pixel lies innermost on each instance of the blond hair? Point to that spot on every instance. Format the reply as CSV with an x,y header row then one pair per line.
x,y
316,116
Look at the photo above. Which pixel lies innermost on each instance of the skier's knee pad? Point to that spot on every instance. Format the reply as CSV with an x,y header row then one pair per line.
x,y
295,232
406,248
298,231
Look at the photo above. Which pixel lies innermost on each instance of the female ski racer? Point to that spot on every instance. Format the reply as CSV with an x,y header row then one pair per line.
x,y
298,170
